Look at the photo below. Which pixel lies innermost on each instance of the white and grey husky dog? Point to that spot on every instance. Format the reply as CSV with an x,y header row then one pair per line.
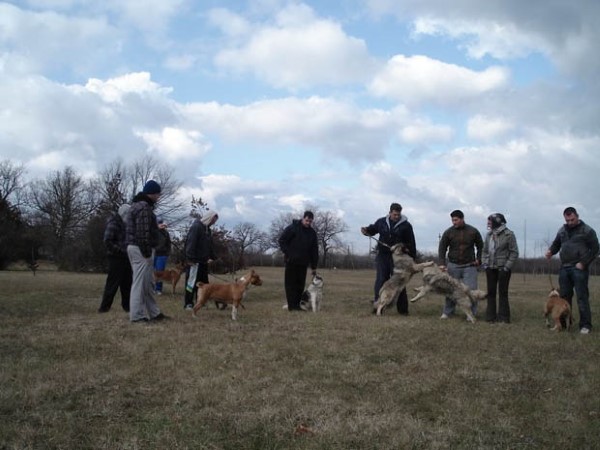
x,y
313,295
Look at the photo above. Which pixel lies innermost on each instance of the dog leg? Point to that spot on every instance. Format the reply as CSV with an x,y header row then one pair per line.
x,y
465,305
422,293
234,312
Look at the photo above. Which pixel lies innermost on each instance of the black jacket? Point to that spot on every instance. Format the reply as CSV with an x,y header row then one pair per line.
x,y
392,234
198,243
299,245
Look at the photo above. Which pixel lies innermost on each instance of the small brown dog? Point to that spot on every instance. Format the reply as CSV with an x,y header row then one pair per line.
x,y
170,276
558,308
231,293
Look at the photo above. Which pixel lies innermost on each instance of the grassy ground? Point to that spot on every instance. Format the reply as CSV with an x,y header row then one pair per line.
x,y
74,379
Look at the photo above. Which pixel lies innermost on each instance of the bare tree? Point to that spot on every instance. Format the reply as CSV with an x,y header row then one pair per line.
x,y
170,205
64,202
277,226
329,227
112,185
246,235
10,181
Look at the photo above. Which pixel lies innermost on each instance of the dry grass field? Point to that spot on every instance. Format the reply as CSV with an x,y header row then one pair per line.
x,y
71,378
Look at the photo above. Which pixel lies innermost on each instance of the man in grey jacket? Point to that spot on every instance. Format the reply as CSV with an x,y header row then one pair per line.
x,y
578,246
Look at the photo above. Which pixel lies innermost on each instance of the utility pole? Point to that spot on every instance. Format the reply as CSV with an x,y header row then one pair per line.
x,y
524,249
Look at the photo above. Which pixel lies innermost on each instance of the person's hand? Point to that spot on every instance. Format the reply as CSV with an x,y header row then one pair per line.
x,y
579,266
548,254
443,268
210,261
505,269
363,230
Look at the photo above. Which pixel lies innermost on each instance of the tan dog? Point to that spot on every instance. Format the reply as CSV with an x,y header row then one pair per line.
x,y
231,293
558,308
404,269
170,276
440,282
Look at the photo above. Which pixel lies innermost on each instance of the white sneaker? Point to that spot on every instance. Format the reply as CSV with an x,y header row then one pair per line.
x,y
584,331
444,316
188,307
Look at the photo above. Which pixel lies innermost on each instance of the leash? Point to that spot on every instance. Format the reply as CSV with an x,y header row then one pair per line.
x,y
379,242
221,278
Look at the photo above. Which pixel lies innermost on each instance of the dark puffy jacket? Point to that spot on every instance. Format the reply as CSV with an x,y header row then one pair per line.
x,y
142,229
461,244
114,236
198,243
577,244
399,232
299,245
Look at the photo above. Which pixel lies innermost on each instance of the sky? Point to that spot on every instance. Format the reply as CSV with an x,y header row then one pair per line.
x,y
263,107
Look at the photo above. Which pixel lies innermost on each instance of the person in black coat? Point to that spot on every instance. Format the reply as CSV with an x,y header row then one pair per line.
x,y
119,269
199,253
299,245
392,229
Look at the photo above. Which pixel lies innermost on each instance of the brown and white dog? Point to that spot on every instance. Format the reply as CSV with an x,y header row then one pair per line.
x,y
170,276
558,308
440,282
230,293
404,269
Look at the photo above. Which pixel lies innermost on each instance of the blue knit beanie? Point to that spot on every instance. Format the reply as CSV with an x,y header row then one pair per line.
x,y
151,187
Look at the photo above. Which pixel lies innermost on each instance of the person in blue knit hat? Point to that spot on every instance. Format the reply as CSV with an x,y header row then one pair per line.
x,y
142,238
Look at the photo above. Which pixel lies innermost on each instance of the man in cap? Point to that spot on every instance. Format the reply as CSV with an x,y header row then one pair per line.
x,y
141,238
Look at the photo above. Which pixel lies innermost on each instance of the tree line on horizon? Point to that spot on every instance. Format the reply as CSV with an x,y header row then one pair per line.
x,y
62,218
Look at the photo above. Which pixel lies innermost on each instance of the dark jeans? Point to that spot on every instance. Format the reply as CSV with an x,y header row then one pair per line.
x,y
294,280
570,278
497,279
202,275
119,277
385,268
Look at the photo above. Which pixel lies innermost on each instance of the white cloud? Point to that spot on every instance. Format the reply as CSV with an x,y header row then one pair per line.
x,y
485,128
501,40
52,40
420,79
151,16
297,51
114,89
423,132
340,129
175,145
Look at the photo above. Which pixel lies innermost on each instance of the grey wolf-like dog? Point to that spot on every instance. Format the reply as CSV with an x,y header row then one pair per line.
x,y
440,282
404,269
